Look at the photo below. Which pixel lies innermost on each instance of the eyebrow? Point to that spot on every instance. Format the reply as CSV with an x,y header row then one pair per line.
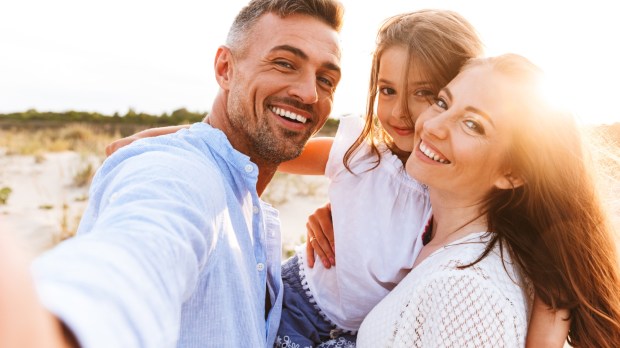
x,y
301,54
470,108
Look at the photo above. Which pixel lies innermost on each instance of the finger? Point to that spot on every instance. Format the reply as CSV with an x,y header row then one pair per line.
x,y
310,253
117,144
321,242
109,149
325,233
313,228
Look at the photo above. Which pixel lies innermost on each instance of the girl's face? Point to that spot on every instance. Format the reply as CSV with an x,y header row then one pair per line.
x,y
394,118
462,141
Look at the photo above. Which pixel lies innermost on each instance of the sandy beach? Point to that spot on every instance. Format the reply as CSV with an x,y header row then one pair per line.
x,y
46,201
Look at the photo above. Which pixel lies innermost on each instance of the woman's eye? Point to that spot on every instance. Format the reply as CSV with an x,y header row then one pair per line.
x,y
474,126
441,103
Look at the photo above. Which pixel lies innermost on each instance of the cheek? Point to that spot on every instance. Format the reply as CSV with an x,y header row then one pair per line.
x,y
325,107
416,108
383,110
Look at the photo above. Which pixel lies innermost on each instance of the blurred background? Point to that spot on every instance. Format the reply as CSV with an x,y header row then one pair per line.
x,y
75,75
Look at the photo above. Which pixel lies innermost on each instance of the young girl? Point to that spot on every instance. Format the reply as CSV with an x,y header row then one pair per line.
x,y
378,210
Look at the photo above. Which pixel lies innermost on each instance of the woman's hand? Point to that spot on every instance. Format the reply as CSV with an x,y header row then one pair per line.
x,y
321,237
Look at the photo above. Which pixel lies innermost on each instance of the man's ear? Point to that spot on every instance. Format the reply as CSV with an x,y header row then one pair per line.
x,y
223,66
509,181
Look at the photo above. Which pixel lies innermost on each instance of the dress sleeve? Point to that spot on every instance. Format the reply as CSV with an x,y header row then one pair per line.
x,y
456,310
349,129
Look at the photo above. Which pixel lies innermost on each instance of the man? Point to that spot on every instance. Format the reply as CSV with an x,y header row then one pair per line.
x,y
175,246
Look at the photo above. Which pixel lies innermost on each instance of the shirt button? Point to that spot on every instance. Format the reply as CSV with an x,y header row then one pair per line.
x,y
113,197
255,209
260,267
248,168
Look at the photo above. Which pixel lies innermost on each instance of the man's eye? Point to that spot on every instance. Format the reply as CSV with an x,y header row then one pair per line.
x,y
284,64
326,81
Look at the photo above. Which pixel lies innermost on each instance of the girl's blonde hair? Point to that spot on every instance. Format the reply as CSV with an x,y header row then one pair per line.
x,y
439,42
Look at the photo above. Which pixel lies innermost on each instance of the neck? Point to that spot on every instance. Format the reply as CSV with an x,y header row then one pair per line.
x,y
401,154
218,118
454,219
265,174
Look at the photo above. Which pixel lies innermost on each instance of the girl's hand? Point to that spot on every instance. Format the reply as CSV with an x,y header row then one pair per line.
x,y
117,144
147,133
321,237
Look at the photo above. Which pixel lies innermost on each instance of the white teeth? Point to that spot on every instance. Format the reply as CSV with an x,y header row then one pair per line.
x,y
288,114
430,154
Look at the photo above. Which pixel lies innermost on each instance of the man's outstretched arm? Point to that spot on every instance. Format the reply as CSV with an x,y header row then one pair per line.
x,y
23,320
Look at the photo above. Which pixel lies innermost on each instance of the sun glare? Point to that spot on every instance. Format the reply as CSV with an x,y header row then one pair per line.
x,y
574,95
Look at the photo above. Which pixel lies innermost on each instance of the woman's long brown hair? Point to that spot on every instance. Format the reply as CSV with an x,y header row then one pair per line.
x,y
555,225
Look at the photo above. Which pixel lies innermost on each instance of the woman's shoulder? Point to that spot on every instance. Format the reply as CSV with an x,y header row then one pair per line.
x,y
457,265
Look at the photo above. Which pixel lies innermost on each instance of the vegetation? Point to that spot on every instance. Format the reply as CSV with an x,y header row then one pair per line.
x,y
5,193
122,125
36,134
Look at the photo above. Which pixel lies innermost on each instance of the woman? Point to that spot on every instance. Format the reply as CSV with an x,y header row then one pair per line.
x,y
515,212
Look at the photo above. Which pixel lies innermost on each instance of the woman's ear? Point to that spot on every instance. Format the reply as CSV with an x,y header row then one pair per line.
x,y
223,67
509,181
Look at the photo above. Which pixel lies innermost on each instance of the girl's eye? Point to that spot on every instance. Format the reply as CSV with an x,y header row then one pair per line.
x,y
387,91
441,103
474,126
424,93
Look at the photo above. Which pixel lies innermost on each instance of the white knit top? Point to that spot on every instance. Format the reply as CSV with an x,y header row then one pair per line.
x,y
377,216
439,305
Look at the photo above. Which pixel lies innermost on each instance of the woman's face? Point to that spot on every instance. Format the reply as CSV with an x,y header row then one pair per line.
x,y
394,118
461,142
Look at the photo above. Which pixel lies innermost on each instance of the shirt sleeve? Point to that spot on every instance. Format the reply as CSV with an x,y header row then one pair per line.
x,y
456,310
148,230
349,129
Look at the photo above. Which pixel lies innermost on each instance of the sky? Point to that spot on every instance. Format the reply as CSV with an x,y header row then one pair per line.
x,y
156,56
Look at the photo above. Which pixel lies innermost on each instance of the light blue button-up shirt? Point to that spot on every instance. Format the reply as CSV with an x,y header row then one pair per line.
x,y
174,249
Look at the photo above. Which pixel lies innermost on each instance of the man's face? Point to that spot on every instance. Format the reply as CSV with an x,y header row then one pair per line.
x,y
282,87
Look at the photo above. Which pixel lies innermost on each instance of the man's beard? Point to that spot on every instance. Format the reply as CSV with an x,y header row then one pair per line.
x,y
273,145
273,149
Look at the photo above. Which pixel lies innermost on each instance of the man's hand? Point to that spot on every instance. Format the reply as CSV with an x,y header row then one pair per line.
x,y
321,237
24,323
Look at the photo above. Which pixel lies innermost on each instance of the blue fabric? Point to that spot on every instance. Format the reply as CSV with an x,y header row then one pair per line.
x,y
174,249
302,323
